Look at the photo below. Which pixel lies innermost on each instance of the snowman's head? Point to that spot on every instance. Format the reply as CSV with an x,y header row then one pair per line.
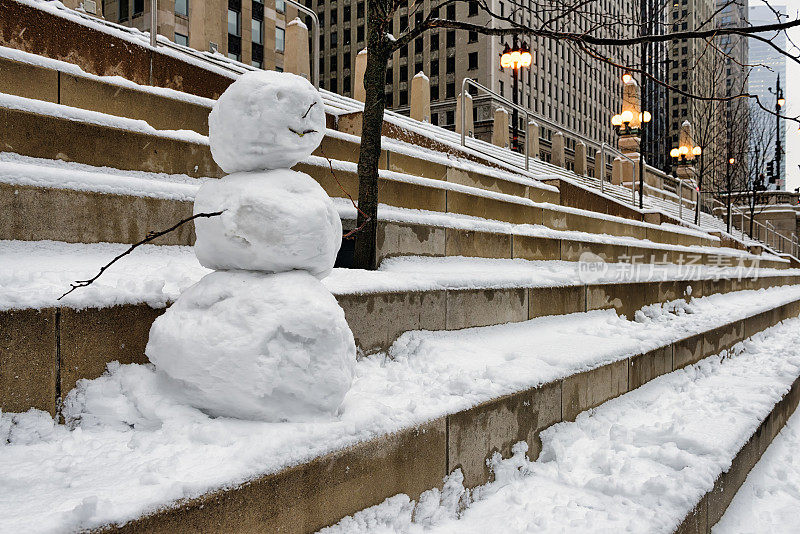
x,y
266,120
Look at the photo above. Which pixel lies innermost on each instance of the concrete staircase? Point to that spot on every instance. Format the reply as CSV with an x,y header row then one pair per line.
x,y
89,159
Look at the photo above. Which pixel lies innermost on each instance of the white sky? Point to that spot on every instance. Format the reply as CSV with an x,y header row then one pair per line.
x,y
792,94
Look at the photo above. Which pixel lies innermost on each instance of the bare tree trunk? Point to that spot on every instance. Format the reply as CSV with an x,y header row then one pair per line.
x,y
365,255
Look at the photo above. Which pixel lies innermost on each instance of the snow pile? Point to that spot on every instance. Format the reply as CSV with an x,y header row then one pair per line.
x,y
769,499
265,346
266,120
274,221
264,339
638,463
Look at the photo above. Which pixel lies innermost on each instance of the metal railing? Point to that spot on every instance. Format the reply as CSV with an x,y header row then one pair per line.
x,y
473,83
779,242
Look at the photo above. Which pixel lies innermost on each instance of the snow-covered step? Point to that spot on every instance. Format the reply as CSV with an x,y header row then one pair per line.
x,y
64,197
668,457
442,400
769,499
56,81
53,343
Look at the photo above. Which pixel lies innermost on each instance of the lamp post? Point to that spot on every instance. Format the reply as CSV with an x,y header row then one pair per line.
x,y
515,58
779,103
684,156
629,125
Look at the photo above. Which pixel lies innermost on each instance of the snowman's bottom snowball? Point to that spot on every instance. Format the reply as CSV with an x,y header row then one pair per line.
x,y
271,347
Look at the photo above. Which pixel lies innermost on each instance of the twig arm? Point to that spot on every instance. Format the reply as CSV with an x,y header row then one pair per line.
x,y
150,237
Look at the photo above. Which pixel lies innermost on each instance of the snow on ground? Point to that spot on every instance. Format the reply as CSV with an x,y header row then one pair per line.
x,y
33,274
638,463
133,446
769,499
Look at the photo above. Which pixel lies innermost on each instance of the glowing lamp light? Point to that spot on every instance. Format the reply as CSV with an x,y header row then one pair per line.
x,y
684,150
627,78
781,102
697,151
627,116
645,117
516,59
616,120
674,153
732,161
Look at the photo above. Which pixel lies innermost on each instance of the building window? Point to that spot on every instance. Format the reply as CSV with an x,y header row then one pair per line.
x,y
403,97
257,28
434,67
451,38
473,37
360,34
234,23
280,39
123,10
182,7
451,65
450,117
138,7
451,11
257,64
280,6
472,60
181,39
473,8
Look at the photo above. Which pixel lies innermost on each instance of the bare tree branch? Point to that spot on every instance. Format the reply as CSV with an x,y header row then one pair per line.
x,y
150,237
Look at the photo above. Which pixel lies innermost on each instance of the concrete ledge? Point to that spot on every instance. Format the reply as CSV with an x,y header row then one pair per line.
x,y
712,506
309,496
29,360
35,135
36,213
45,356
495,426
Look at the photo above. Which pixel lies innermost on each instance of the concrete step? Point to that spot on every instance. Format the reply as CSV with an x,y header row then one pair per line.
x,y
30,126
49,200
58,82
311,495
45,351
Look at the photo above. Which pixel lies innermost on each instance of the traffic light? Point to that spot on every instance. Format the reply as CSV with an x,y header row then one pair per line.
x,y
760,185
771,172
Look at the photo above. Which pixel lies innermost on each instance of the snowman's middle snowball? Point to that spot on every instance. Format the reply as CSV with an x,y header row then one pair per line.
x,y
273,221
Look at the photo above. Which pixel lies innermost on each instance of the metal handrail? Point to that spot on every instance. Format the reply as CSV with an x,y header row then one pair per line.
x,y
767,226
470,81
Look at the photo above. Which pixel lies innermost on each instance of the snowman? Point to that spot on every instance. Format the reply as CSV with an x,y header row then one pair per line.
x,y
260,337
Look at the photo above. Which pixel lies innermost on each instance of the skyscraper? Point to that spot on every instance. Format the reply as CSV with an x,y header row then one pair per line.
x,y
770,65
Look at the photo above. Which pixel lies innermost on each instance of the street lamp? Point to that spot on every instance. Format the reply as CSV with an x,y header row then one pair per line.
x,y
779,103
630,121
515,57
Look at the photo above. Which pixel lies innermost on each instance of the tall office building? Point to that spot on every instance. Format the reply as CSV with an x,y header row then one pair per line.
x,y
734,114
251,31
657,143
771,65
562,85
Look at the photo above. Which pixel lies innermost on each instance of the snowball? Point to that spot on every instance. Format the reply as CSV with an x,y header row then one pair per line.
x,y
271,347
274,221
266,120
